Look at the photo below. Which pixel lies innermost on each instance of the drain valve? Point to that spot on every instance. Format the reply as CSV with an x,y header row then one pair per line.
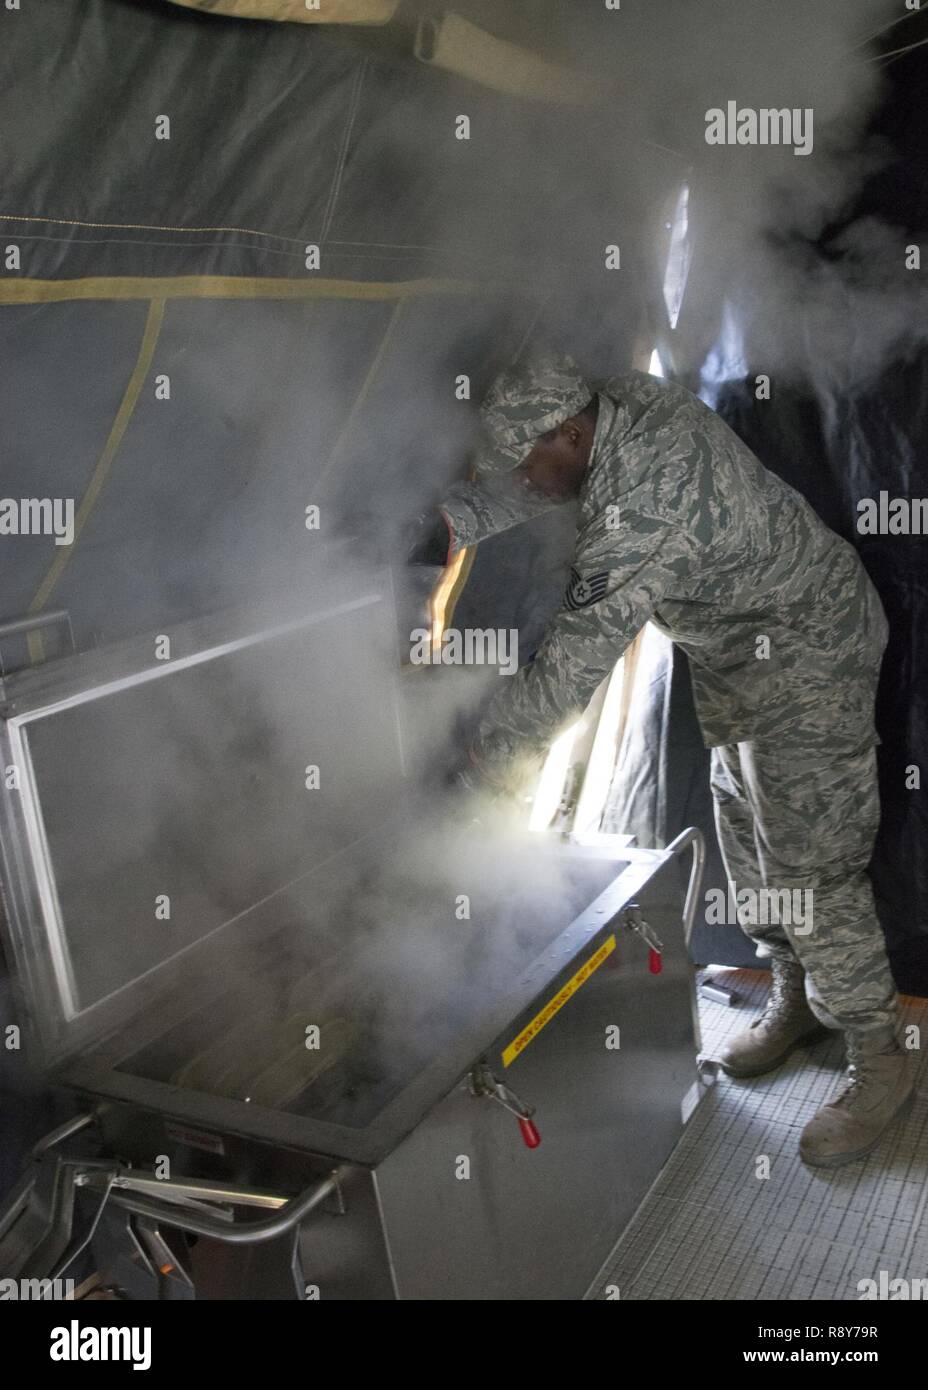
x,y
635,922
484,1083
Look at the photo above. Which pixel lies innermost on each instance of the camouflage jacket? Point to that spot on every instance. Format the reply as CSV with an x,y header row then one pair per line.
x,y
679,524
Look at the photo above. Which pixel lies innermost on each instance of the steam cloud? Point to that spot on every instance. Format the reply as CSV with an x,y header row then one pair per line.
x,y
536,199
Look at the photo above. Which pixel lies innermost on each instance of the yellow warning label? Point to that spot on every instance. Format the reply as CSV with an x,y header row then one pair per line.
x,y
531,1030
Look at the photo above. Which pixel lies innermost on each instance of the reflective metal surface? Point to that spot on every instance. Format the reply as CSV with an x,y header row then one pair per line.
x,y
448,1065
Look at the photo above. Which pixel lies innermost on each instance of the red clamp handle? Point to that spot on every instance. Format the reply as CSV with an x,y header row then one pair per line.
x,y
655,961
529,1132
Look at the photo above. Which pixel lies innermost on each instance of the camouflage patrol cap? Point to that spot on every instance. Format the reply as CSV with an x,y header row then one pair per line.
x,y
529,398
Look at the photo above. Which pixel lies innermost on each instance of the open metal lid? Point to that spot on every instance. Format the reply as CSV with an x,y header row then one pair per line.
x,y
155,793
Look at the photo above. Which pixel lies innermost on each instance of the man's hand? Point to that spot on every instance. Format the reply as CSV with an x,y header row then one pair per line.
x,y
463,780
481,799
467,776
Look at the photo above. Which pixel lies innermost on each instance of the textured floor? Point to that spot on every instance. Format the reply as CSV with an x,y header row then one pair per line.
x,y
711,1228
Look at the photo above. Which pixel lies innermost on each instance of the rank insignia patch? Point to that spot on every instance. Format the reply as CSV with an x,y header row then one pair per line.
x,y
582,592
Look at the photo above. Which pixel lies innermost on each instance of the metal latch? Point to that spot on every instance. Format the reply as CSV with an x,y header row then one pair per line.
x,y
635,922
484,1083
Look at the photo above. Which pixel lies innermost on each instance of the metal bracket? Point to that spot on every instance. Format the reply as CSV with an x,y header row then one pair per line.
x,y
484,1083
633,919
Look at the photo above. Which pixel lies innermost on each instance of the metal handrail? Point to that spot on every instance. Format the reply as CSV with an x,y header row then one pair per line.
x,y
193,1191
693,837
198,1222
18,627
62,1132
246,1232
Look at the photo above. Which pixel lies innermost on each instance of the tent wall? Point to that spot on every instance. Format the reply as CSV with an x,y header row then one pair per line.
x,y
142,258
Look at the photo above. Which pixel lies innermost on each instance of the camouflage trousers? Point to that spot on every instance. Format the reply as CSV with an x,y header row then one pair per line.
x,y
802,823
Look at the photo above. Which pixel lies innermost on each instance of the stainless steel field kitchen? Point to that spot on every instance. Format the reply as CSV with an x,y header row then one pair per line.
x,y
320,1043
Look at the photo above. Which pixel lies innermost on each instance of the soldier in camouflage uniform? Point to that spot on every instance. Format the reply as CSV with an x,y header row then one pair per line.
x,y
680,525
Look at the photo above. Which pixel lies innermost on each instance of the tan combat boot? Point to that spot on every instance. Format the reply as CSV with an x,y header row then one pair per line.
x,y
786,1022
879,1090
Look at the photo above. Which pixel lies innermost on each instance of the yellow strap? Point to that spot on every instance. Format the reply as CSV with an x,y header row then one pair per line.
x,y
301,11
146,227
127,405
28,291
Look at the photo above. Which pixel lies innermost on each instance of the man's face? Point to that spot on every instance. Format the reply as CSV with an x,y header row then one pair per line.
x,y
558,460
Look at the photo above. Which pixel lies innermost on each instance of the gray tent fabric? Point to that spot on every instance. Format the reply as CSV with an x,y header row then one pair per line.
x,y
290,385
